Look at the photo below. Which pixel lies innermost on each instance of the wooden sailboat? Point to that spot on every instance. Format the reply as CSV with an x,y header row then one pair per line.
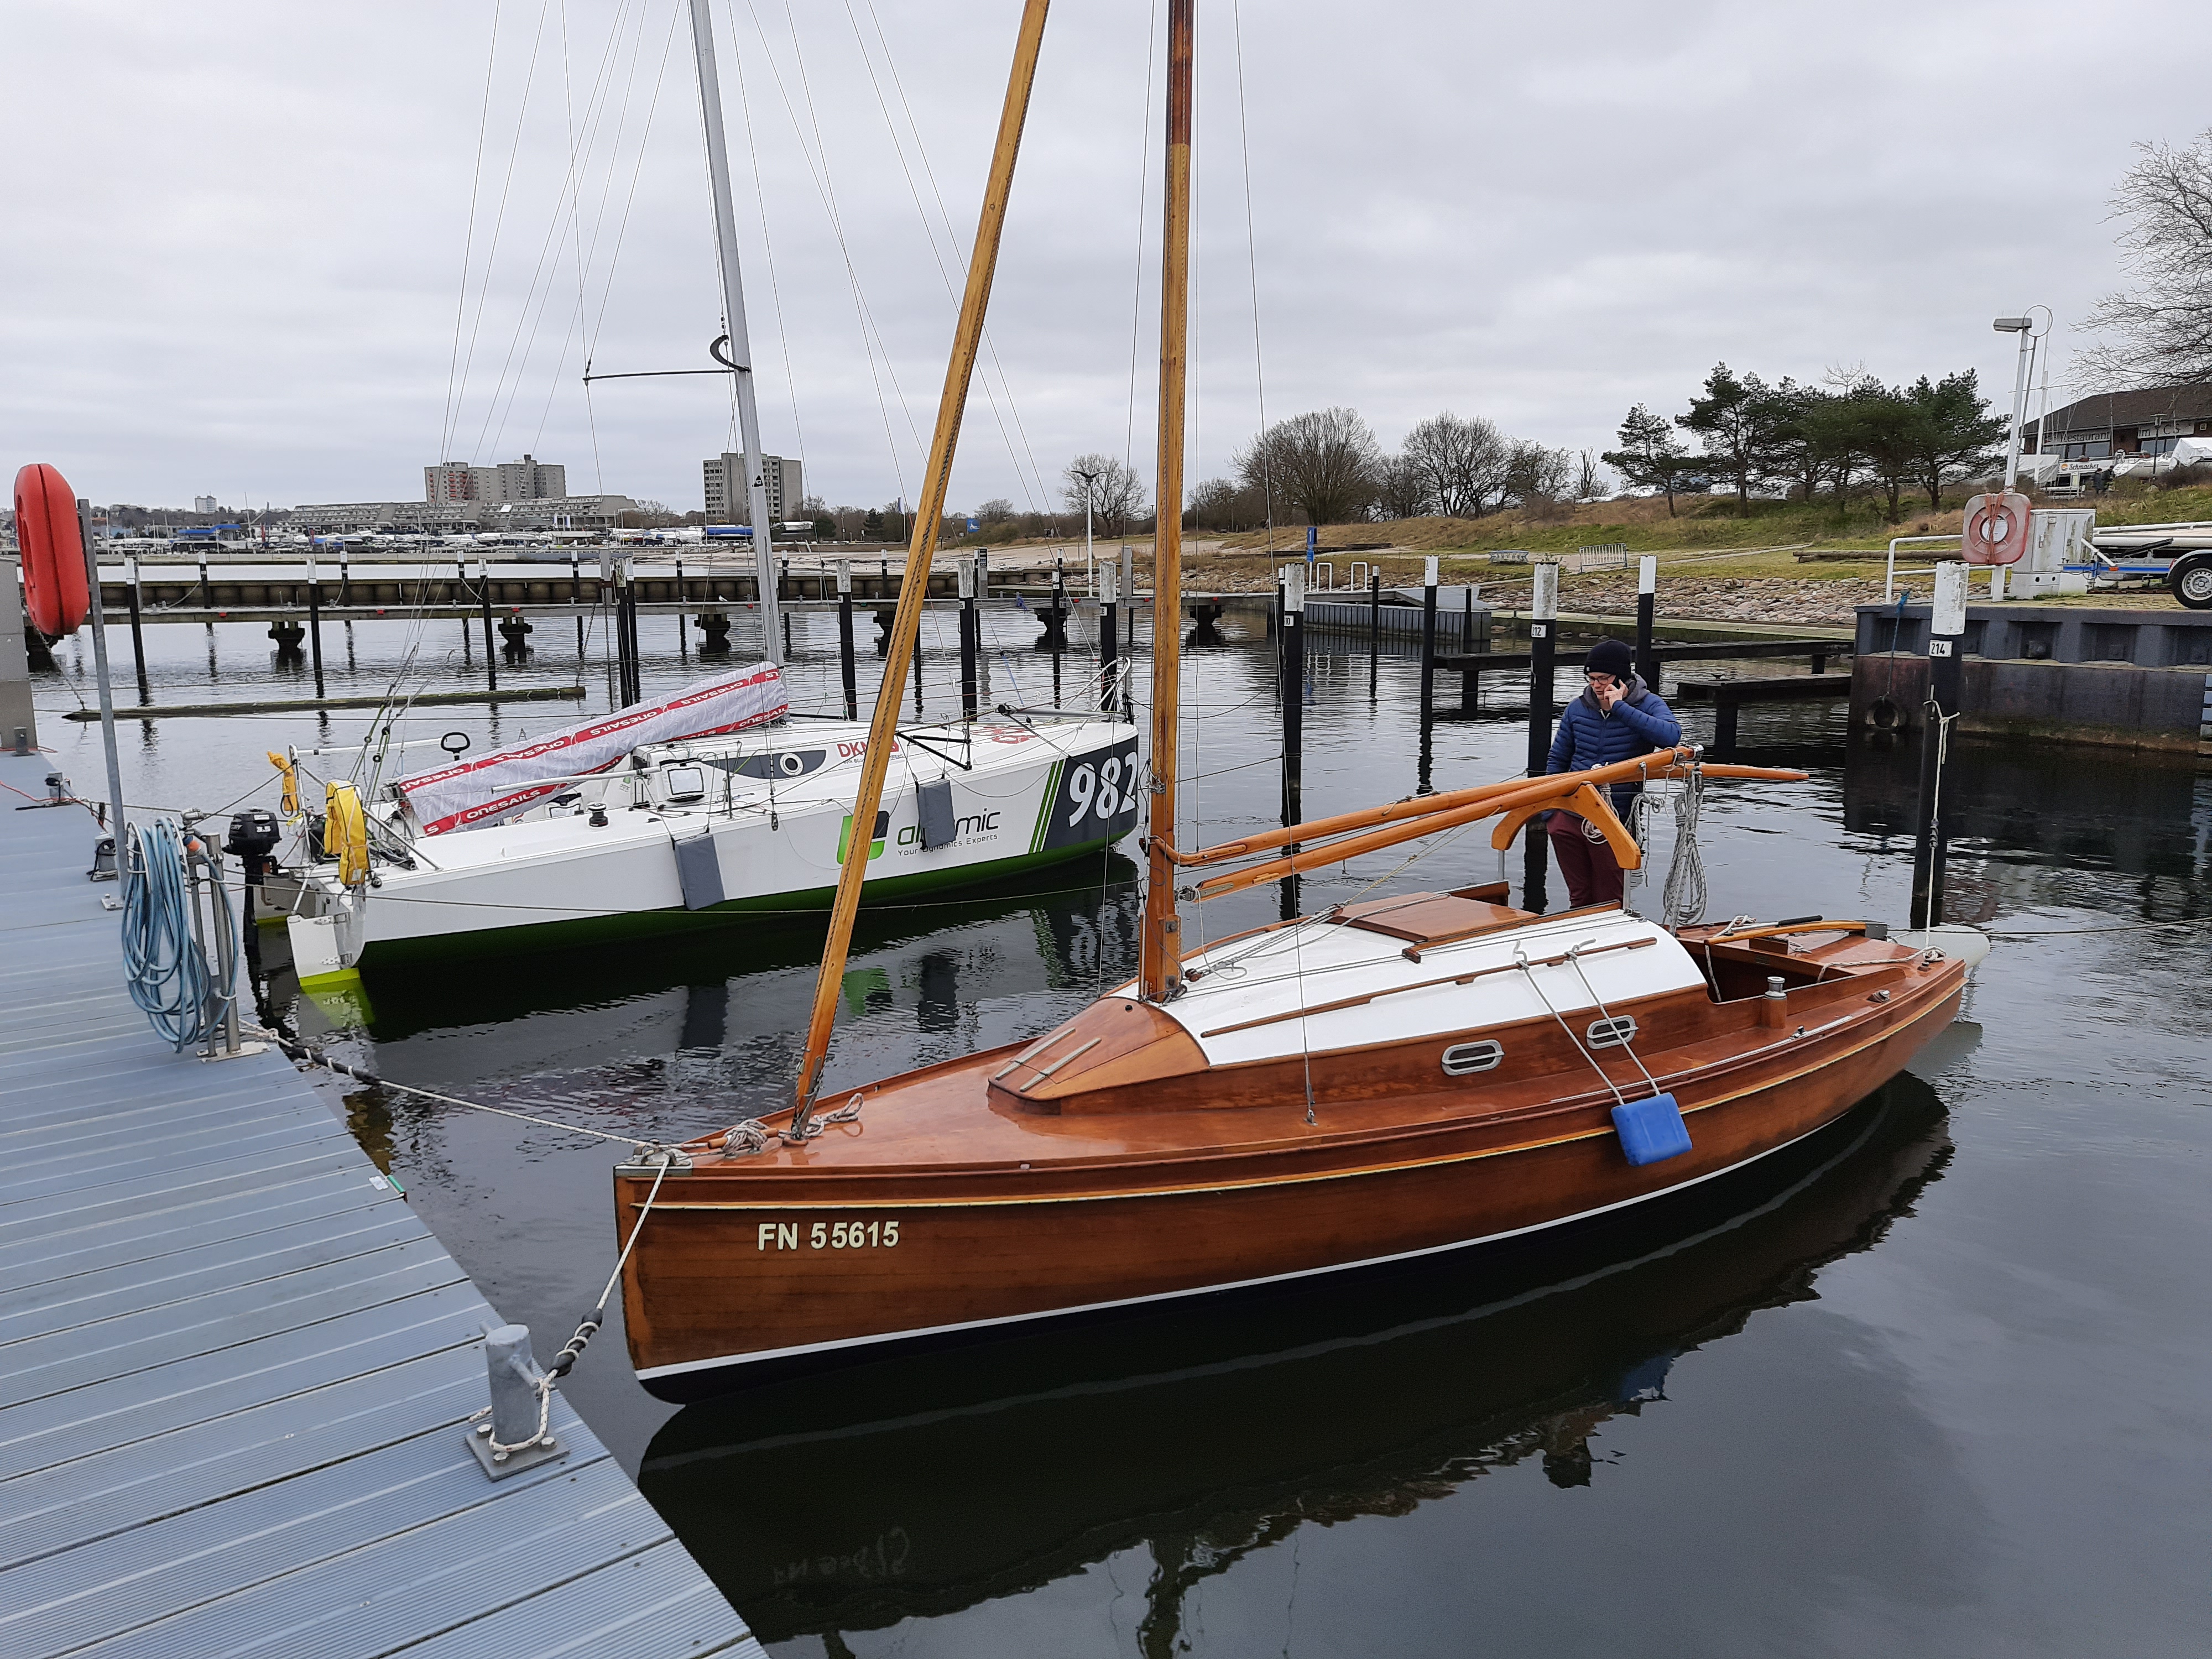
x,y
1393,1078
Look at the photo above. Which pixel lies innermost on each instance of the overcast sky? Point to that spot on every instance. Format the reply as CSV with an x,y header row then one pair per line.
x,y
236,233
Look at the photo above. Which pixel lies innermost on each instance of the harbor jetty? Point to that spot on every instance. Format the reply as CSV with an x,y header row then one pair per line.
x,y
237,1374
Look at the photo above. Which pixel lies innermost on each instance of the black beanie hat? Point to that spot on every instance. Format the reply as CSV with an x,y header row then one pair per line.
x,y
1610,657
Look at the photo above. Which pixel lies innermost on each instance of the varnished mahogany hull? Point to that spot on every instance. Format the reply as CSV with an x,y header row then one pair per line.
x,y
708,1288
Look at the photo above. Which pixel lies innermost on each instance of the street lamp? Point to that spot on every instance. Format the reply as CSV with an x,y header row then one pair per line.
x,y
1090,565
2023,326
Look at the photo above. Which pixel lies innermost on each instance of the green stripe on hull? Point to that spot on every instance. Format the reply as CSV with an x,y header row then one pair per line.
x,y
382,954
1044,806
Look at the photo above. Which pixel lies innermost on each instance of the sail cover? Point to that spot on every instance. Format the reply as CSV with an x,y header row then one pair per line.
x,y
485,788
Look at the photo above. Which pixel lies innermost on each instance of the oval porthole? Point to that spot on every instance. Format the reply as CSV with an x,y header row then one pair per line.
x,y
1615,1033
1462,1059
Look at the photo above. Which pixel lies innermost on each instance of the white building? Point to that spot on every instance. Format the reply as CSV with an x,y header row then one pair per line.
x,y
204,504
412,518
526,480
785,488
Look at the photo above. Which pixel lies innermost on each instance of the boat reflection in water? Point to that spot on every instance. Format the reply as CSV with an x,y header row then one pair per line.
x,y
917,1488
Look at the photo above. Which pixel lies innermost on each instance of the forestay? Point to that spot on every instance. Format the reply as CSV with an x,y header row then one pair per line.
x,y
489,787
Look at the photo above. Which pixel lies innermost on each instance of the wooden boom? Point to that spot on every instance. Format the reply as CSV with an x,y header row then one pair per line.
x,y
1584,794
906,624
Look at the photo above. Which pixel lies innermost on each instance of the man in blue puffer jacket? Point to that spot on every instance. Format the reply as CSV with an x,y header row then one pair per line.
x,y
1617,718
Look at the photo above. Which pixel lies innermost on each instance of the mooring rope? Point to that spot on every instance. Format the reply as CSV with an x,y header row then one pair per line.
x,y
300,1051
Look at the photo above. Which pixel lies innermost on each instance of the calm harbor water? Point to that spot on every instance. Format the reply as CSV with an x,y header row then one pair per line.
x,y
1930,1383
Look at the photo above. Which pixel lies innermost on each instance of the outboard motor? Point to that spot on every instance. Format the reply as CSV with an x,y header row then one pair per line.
x,y
253,838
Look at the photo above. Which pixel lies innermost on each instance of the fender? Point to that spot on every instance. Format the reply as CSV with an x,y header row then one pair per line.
x,y
55,590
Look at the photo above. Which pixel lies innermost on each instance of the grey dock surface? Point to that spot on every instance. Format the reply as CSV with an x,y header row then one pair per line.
x,y
235,1370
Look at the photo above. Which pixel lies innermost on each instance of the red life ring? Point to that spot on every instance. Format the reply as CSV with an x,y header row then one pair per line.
x,y
54,588
1995,531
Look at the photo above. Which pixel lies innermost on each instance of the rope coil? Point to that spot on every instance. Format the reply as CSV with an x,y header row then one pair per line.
x,y
166,963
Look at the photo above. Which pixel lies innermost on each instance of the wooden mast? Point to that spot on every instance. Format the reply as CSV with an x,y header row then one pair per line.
x,y
1160,961
906,625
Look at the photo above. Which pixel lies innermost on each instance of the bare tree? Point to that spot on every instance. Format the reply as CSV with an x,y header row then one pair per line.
x,y
1401,488
996,510
2163,327
1323,464
1116,494
1464,462
1224,504
1591,483
1536,476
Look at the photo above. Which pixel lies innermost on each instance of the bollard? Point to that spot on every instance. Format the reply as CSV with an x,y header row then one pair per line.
x,y
517,1401
1647,605
967,568
1543,613
1109,622
1947,668
845,666
1428,639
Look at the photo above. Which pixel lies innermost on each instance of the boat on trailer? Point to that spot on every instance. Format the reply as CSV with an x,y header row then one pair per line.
x,y
1393,1078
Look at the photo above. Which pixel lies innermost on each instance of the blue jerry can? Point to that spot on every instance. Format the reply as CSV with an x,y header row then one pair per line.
x,y
1651,1131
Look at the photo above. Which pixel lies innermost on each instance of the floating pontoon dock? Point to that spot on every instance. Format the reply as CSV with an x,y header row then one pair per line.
x,y
235,1370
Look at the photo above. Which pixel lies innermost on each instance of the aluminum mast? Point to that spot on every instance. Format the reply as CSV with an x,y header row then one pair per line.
x,y
733,319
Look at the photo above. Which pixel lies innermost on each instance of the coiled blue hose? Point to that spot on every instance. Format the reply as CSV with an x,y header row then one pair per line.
x,y
167,969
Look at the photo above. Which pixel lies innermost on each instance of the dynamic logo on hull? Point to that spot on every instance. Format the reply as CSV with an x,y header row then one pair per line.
x,y
875,845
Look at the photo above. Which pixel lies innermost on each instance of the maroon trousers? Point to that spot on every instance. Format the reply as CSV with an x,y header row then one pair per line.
x,y
1593,874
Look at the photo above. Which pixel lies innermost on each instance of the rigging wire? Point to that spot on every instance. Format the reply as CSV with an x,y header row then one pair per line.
x,y
548,266
1137,285
768,250
1252,260
871,340
499,223
953,240
468,241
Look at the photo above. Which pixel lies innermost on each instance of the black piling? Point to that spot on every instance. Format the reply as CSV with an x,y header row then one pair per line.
x,y
1947,669
846,669
1647,608
1294,698
137,635
1429,641
484,603
314,627
683,621
968,639
1543,628
1109,637
345,576
1373,630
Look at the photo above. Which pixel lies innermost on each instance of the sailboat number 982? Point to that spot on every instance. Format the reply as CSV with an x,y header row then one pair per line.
x,y
830,1234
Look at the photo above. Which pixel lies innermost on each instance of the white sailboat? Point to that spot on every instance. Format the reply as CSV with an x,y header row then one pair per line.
x,y
712,802
695,830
